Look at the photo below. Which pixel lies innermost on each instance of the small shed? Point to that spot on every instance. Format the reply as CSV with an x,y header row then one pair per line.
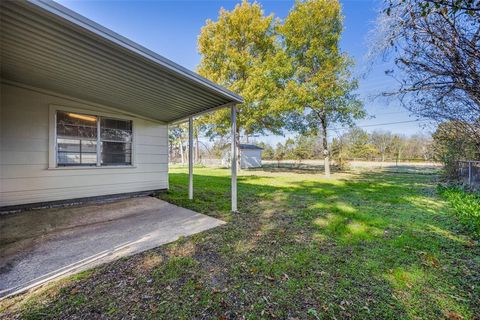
x,y
250,156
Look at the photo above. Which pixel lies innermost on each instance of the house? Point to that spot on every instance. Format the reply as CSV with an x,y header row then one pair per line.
x,y
85,111
250,156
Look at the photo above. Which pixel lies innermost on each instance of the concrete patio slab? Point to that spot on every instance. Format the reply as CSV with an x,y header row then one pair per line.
x,y
42,245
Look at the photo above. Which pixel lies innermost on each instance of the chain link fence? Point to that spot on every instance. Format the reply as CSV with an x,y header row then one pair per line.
x,y
469,173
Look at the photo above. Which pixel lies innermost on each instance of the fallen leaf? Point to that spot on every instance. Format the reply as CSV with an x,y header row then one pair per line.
x,y
452,315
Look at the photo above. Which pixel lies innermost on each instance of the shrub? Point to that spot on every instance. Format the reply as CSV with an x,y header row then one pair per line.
x,y
466,206
452,142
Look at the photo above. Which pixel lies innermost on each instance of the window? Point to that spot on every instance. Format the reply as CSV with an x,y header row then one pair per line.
x,y
88,140
116,137
76,139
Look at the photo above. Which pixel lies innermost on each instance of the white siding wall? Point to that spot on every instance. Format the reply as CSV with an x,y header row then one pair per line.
x,y
250,158
24,154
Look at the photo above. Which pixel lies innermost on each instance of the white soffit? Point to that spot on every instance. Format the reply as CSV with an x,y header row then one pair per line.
x,y
48,46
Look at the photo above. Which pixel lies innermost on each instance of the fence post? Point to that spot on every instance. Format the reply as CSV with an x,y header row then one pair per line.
x,y
470,173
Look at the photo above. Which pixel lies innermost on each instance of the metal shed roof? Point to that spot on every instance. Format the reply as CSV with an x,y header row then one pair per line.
x,y
48,46
250,147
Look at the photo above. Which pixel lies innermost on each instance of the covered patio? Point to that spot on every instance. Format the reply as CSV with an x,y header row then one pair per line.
x,y
43,245
65,62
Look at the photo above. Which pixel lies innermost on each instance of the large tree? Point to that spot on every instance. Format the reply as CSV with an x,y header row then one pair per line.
x,y
241,51
436,48
177,136
320,91
382,142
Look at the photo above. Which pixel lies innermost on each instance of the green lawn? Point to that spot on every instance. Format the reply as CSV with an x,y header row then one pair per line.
x,y
365,245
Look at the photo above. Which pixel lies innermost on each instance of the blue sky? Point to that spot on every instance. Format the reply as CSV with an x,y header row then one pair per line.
x,y
170,28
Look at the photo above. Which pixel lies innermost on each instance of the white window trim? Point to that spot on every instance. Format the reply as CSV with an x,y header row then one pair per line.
x,y
52,141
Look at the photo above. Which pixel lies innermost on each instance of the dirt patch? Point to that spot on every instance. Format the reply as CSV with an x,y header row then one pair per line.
x,y
149,262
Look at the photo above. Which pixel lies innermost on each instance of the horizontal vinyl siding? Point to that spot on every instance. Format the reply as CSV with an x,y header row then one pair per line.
x,y
30,128
24,173
36,171
151,158
151,149
52,183
152,140
23,157
16,198
11,144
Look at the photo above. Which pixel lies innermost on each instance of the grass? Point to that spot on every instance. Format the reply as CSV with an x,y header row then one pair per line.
x,y
466,206
364,245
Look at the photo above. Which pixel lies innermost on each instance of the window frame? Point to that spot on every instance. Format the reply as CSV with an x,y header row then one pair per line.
x,y
53,148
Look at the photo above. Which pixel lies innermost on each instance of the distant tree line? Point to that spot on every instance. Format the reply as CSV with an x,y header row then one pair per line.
x,y
355,144
448,144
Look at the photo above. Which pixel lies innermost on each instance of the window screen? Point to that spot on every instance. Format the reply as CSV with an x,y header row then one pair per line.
x,y
78,140
116,136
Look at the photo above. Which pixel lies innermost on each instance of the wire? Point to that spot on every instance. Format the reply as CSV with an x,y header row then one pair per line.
x,y
380,124
386,113
365,126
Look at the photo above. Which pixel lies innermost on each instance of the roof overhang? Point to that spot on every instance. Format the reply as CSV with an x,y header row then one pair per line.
x,y
48,46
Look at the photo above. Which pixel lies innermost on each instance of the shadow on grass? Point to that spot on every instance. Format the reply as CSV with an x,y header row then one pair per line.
x,y
369,245
299,168
387,229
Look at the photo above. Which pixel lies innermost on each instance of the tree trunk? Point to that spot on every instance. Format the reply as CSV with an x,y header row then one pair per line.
x,y
197,149
238,148
325,146
181,152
